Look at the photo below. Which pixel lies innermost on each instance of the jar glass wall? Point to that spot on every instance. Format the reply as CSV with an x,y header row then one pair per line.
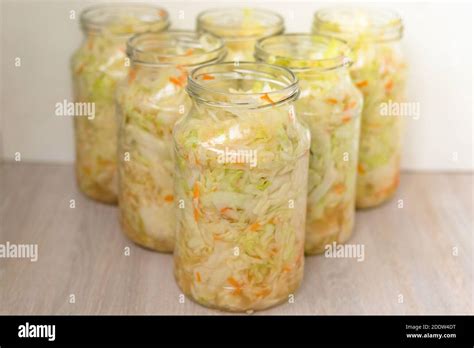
x,y
150,102
97,66
240,28
330,105
241,173
379,71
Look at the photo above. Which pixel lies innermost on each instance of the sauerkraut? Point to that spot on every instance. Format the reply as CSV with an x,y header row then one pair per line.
x,y
241,176
379,72
150,101
240,28
330,105
97,66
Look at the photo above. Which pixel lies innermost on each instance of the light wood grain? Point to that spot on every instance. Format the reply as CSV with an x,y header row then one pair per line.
x,y
408,251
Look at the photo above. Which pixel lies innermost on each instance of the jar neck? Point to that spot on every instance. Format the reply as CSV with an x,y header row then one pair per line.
x,y
237,24
359,25
182,49
242,86
305,54
119,22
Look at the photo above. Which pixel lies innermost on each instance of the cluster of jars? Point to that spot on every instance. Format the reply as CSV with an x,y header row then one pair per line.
x,y
236,146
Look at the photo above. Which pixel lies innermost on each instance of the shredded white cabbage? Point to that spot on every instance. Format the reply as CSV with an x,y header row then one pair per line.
x,y
150,102
240,29
379,72
330,105
381,78
97,66
240,239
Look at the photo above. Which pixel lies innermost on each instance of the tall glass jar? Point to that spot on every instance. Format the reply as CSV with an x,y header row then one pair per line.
x,y
97,66
241,175
150,101
330,105
240,28
379,71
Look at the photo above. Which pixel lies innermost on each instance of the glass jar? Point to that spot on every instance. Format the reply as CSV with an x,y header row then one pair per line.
x,y
97,66
241,175
240,29
330,105
150,101
379,71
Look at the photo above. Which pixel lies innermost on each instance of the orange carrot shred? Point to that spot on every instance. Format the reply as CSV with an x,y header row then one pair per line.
x,y
198,277
223,210
346,118
207,77
362,83
389,85
236,285
189,52
255,226
237,291
273,250
176,81
331,101
169,198
339,188
233,282
196,215
132,75
196,191
267,98
360,169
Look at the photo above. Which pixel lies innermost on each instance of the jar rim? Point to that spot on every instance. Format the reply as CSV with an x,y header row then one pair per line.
x,y
263,52
290,90
368,23
142,56
274,28
95,19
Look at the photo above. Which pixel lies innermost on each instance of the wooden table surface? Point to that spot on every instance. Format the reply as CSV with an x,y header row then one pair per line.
x,y
418,259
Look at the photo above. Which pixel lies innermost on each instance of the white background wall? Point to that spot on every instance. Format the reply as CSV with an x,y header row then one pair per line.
x,y
438,45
